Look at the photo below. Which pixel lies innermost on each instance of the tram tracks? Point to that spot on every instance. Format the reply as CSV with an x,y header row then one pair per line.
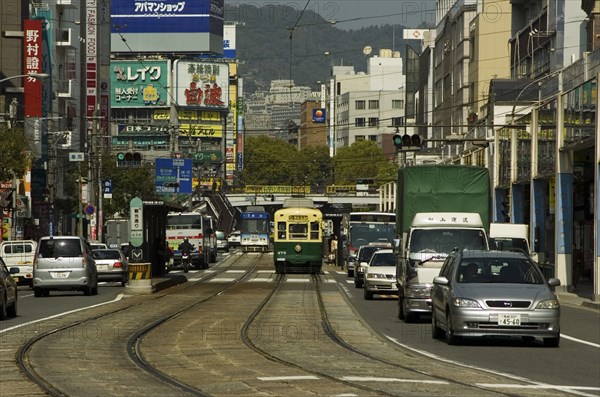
x,y
51,365
219,336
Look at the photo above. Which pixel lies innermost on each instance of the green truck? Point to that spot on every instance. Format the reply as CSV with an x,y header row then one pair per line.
x,y
439,208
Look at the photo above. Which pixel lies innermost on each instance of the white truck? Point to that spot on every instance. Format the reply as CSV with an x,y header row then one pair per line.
x,y
511,236
19,253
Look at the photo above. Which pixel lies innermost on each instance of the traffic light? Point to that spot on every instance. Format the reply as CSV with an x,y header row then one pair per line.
x,y
406,141
415,140
129,159
398,141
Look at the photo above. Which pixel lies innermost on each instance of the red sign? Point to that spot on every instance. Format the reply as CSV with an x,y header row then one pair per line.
x,y
32,56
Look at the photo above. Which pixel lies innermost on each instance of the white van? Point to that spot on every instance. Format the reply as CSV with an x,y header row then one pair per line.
x,y
19,253
511,236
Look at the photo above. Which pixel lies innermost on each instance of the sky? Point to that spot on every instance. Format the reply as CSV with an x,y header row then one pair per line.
x,y
354,14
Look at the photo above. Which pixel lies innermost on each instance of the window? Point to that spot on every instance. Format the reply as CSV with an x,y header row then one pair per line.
x,y
374,104
373,138
359,138
359,104
397,104
373,121
397,121
359,122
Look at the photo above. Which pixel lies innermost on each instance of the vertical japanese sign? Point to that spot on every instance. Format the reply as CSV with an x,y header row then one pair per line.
x,y
32,55
91,60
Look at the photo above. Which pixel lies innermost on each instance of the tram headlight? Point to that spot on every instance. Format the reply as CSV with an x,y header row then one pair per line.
x,y
298,248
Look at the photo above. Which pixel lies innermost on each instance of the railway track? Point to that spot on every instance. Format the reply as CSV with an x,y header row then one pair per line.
x,y
240,329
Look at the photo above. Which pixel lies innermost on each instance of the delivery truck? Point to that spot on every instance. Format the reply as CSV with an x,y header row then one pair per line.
x,y
439,208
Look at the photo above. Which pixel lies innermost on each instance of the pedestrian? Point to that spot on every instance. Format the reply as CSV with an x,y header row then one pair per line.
x,y
333,246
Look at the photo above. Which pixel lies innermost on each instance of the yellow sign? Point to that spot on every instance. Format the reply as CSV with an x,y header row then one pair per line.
x,y
187,115
206,130
161,114
211,116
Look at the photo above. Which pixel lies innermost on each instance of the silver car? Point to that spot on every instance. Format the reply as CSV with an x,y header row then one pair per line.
x,y
380,274
111,265
64,263
494,293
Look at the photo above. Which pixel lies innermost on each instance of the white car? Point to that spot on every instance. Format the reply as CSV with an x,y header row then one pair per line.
x,y
380,274
234,238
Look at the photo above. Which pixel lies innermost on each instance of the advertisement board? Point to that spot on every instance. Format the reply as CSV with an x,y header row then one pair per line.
x,y
32,56
167,26
202,84
139,84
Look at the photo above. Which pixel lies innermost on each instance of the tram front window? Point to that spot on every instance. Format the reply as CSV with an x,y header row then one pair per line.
x,y
298,230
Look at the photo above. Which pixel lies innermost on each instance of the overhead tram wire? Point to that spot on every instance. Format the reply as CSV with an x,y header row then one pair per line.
x,y
291,37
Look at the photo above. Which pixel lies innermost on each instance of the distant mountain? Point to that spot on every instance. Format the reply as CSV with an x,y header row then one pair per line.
x,y
272,38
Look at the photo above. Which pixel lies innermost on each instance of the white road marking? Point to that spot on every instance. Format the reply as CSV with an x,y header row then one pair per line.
x,y
280,378
117,298
379,379
513,377
261,280
221,280
235,271
542,386
580,341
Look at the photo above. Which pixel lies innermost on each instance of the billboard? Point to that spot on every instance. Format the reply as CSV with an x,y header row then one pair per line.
x,y
202,84
139,84
167,26
32,56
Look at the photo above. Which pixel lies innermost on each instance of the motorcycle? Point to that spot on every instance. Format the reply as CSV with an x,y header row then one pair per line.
x,y
185,261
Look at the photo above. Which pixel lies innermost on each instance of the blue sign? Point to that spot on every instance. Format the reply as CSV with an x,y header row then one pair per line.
x,y
173,175
165,16
319,115
254,215
107,188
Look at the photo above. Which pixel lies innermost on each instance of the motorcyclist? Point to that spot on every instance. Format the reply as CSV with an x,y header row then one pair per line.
x,y
186,249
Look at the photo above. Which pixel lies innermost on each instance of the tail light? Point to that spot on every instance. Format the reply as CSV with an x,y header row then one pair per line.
x,y
117,264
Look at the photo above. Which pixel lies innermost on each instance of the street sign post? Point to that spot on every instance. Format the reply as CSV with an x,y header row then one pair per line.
x,y
136,211
173,175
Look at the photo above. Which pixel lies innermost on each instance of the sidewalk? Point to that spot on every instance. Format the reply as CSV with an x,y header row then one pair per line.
x,y
582,295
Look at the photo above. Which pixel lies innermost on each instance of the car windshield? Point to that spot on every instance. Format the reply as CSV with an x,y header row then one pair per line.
x,y
498,270
220,235
383,259
366,252
445,240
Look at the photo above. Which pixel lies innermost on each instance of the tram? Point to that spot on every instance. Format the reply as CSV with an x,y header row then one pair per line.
x,y
298,237
255,229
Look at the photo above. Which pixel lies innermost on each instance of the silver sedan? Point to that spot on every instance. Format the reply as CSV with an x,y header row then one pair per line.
x,y
494,293
111,264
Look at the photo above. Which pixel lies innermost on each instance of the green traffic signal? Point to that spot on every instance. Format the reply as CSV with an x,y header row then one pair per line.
x,y
398,141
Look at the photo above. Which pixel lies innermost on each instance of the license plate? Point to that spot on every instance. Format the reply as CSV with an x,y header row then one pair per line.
x,y
102,267
59,274
513,320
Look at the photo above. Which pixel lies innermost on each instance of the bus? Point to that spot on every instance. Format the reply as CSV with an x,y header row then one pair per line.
x,y
194,226
298,237
255,229
362,228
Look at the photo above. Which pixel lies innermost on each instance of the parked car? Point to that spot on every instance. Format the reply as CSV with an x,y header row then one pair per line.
x,y
64,263
111,265
234,238
222,242
494,293
380,274
8,291
363,256
19,253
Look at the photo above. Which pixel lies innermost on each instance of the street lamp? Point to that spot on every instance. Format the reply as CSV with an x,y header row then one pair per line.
x,y
34,75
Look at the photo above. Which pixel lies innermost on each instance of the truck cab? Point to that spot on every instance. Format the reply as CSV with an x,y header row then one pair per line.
x,y
429,240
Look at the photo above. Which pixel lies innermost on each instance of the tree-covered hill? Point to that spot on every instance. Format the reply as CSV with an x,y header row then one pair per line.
x,y
266,35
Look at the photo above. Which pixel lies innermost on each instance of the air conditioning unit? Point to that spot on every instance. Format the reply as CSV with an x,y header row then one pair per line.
x,y
64,38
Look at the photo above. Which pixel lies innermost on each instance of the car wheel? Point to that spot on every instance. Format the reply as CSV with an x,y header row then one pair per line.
x,y
451,339
368,294
95,290
436,331
38,292
552,342
3,313
12,309
87,290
